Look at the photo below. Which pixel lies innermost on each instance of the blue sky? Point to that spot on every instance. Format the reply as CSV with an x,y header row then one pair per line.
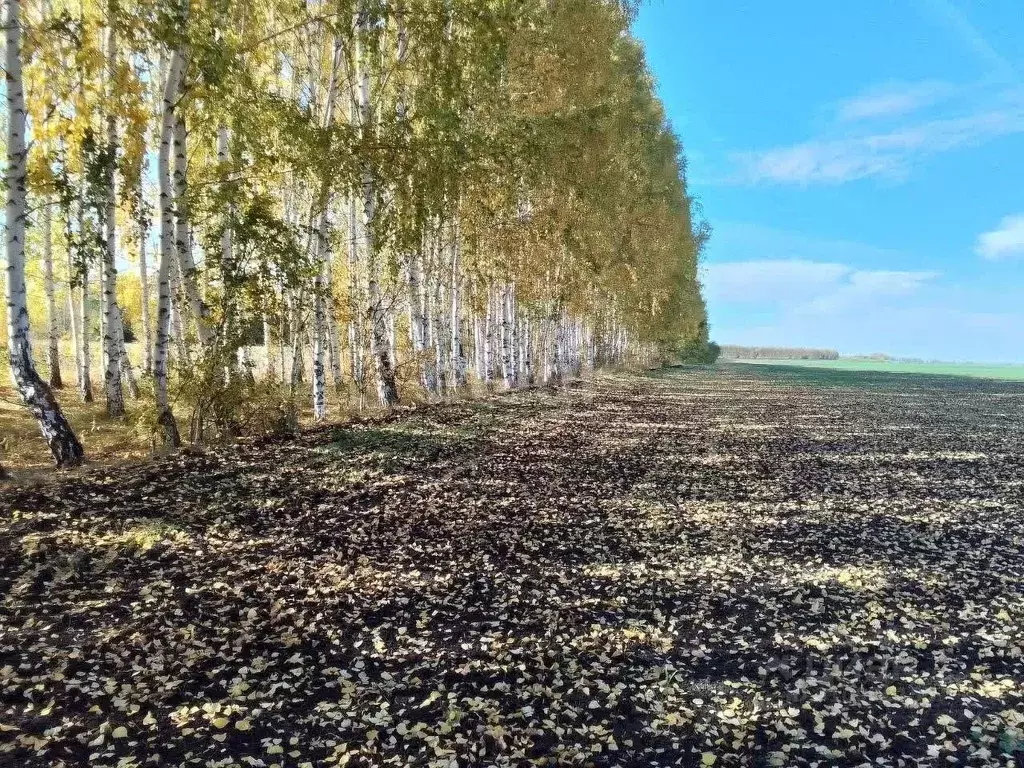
x,y
862,165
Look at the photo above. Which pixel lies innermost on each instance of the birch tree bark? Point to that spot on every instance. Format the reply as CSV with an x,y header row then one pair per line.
x,y
333,345
321,333
488,355
355,326
111,316
230,354
295,331
177,323
165,417
457,353
387,388
52,334
438,337
85,350
417,324
147,330
183,233
507,369
73,314
63,444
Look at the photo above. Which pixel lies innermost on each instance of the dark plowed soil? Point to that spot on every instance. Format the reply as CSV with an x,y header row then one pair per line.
x,y
741,566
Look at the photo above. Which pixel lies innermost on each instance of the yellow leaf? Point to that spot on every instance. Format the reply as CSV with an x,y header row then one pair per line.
x,y
243,725
120,732
220,722
890,691
708,758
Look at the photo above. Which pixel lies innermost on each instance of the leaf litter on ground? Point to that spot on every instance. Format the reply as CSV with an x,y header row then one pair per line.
x,y
719,567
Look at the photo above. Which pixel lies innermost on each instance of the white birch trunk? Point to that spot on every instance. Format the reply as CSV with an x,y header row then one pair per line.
x,y
230,342
457,353
111,316
355,326
320,288
147,330
183,235
438,337
432,373
168,256
507,369
177,323
418,321
526,351
333,346
295,327
268,346
73,314
488,352
85,354
101,319
556,349
545,350
63,444
477,348
320,341
387,389
52,334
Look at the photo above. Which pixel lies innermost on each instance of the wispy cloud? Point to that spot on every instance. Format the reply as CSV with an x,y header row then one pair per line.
x,y
1005,241
893,99
951,17
781,280
890,153
737,241
863,287
807,287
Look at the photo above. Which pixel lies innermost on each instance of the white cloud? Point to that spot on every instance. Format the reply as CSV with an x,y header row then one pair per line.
x,y
1005,241
830,162
807,287
880,154
770,280
866,287
892,99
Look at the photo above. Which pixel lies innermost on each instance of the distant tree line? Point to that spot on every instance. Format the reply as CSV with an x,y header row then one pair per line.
x,y
732,352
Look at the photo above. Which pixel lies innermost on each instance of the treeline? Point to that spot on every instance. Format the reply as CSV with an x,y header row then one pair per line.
x,y
733,352
382,195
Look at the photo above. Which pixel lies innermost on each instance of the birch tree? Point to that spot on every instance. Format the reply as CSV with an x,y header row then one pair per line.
x,y
52,335
63,444
111,314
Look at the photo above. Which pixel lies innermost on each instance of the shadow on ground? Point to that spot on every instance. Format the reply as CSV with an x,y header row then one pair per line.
x,y
722,564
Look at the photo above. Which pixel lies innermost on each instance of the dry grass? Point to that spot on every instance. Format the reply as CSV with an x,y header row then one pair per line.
x,y
23,450
107,442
